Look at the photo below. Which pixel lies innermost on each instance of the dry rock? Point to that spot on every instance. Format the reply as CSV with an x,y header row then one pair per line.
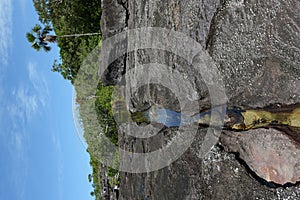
x,y
268,152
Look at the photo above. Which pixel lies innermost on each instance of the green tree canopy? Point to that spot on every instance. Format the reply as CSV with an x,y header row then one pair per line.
x,y
76,25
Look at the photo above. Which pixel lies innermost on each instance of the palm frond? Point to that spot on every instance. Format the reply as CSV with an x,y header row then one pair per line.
x,y
36,46
45,32
42,43
46,48
47,28
30,37
36,28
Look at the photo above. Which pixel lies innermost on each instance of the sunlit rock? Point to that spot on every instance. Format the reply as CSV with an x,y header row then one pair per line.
x,y
271,154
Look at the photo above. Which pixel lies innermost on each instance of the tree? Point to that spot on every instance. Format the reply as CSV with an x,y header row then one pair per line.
x,y
90,177
40,38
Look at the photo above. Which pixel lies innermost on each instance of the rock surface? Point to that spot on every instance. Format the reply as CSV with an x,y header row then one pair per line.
x,y
256,47
268,152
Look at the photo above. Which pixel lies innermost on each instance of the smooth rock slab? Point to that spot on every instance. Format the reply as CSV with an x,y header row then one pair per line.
x,y
269,153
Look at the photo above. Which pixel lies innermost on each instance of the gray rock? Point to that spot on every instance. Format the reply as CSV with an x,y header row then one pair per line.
x,y
259,63
255,45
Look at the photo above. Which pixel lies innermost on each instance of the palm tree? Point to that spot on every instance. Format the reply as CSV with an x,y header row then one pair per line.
x,y
39,37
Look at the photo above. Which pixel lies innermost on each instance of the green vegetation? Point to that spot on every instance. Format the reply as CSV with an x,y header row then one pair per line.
x,y
75,27
99,126
96,178
104,112
70,20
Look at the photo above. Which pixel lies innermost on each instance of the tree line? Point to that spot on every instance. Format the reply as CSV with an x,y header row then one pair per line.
x,y
72,25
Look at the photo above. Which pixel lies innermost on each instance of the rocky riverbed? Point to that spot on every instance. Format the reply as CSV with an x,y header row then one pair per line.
x,y
255,47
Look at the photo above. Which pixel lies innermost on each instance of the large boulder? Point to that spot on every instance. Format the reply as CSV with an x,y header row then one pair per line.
x,y
255,45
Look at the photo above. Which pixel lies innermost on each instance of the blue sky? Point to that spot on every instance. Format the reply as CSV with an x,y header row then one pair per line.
x,y
41,156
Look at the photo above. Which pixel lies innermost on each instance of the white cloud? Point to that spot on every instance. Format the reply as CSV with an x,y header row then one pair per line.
x,y
27,101
38,82
30,98
5,29
18,153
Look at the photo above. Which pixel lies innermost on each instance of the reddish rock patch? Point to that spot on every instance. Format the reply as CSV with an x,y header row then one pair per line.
x,y
271,154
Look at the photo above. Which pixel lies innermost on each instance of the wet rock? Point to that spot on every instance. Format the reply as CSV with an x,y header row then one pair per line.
x,y
255,45
271,154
